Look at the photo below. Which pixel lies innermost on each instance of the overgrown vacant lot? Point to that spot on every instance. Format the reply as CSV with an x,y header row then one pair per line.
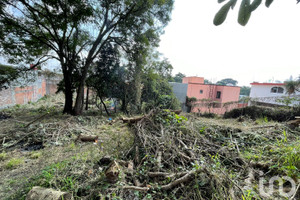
x,y
161,156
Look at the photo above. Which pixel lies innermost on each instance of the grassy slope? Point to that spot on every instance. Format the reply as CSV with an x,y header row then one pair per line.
x,y
61,154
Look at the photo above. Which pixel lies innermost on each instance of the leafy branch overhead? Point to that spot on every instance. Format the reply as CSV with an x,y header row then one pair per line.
x,y
245,11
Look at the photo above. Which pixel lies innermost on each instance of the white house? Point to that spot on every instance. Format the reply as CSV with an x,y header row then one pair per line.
x,y
270,94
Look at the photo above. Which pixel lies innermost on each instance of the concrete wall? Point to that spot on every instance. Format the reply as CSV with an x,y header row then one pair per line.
x,y
180,91
193,79
31,93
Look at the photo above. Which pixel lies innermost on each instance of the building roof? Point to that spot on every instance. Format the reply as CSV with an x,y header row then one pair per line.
x,y
256,83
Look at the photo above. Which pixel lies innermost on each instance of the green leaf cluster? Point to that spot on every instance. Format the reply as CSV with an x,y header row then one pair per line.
x,y
245,10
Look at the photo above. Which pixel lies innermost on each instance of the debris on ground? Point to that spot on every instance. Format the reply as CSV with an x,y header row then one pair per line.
x,y
162,155
38,193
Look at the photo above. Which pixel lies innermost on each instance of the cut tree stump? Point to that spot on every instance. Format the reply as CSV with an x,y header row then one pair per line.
x,y
112,173
39,193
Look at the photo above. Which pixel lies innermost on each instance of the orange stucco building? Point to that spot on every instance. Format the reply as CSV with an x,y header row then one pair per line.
x,y
210,97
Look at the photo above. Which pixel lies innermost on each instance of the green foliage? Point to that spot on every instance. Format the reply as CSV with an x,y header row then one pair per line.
x,y
245,90
14,163
107,76
178,77
167,102
262,120
288,157
35,155
3,156
248,195
292,86
245,10
207,81
208,115
255,112
10,74
7,74
287,100
227,81
76,32
157,92
222,13
169,118
189,102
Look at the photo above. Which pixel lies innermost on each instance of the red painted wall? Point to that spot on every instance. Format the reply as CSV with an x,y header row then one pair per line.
x,y
23,95
228,94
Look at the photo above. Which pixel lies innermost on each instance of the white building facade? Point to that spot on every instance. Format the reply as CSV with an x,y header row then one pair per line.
x,y
272,94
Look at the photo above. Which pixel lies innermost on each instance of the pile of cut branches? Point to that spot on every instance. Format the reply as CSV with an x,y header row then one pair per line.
x,y
172,158
176,158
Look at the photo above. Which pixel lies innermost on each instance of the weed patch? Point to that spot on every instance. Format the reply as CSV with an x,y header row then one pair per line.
x,y
14,163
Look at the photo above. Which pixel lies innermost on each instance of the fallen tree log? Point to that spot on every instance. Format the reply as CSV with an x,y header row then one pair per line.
x,y
176,111
139,118
186,178
294,123
39,193
144,189
87,138
132,120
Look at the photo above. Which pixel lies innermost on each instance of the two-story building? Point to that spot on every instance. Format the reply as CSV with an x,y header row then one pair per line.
x,y
210,97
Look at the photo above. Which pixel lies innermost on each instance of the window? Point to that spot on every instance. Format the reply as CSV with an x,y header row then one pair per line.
x,y
277,90
218,95
201,91
280,90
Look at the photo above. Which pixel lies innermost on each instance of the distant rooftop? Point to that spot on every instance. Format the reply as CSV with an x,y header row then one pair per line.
x,y
256,83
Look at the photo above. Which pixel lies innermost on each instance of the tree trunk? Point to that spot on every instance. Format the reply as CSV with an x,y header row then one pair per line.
x,y
87,99
104,105
124,105
68,95
79,99
138,87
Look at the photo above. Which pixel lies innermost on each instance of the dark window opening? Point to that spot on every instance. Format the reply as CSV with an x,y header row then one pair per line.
x,y
201,91
218,95
280,90
277,90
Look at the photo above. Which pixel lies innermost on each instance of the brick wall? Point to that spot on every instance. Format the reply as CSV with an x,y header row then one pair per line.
x,y
31,93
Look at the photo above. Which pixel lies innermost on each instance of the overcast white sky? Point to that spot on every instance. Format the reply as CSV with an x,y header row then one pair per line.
x,y
266,49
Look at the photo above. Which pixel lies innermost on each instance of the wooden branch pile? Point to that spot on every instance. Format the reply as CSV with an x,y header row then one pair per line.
x,y
170,156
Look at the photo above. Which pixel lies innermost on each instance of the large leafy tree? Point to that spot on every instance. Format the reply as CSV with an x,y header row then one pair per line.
x,y
74,32
106,75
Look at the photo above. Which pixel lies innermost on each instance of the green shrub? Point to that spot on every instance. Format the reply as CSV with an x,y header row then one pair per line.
x,y
256,112
208,115
3,156
14,163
